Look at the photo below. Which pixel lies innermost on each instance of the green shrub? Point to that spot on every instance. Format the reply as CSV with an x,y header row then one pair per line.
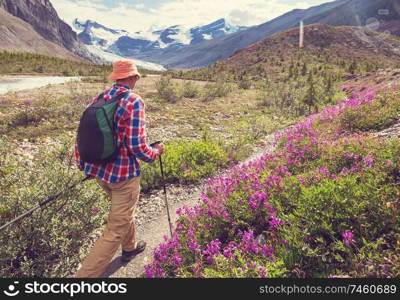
x,y
245,83
49,243
217,90
322,211
237,267
374,116
190,90
187,161
167,89
30,115
359,199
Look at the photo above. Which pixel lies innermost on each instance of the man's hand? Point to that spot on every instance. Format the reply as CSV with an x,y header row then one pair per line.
x,y
160,148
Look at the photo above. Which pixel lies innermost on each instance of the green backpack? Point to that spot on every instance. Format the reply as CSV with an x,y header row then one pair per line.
x,y
96,138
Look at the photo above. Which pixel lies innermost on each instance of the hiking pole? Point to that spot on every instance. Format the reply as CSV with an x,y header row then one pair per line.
x,y
164,188
41,205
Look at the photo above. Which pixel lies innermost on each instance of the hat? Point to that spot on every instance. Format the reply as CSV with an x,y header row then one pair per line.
x,y
124,69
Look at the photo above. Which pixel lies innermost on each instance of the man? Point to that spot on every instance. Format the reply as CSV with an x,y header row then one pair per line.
x,y
121,178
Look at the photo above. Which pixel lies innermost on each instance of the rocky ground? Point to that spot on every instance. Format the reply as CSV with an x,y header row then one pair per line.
x,y
391,132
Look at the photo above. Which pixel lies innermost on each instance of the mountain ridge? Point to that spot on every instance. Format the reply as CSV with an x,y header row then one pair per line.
x,y
44,20
124,43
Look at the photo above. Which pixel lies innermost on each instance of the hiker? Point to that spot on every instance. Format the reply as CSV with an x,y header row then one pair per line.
x,y
120,178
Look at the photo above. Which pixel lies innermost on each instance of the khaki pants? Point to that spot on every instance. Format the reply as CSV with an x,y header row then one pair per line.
x,y
120,229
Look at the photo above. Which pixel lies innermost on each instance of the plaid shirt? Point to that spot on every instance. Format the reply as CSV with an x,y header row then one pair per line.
x,y
129,120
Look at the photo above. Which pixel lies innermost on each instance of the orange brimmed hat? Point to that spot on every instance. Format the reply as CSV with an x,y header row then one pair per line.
x,y
124,69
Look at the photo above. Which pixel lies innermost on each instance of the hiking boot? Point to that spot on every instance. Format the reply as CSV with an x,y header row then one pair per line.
x,y
129,255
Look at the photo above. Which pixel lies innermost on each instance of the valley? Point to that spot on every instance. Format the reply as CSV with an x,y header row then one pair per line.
x,y
282,157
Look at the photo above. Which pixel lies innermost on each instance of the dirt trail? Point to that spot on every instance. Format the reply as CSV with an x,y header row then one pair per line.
x,y
153,232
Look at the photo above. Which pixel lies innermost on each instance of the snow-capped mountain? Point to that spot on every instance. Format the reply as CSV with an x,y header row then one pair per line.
x,y
148,43
213,30
93,33
98,39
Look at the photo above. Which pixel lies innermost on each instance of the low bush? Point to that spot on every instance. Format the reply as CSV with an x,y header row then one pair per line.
x,y
217,89
167,90
245,83
42,244
377,115
28,115
190,90
185,161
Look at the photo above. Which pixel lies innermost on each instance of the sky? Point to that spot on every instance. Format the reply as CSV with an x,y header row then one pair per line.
x,y
139,15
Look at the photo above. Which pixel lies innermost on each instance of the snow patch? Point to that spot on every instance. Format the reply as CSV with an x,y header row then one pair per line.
x,y
112,57
110,37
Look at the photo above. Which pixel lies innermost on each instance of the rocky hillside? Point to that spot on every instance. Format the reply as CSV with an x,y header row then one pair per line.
x,y
43,20
18,36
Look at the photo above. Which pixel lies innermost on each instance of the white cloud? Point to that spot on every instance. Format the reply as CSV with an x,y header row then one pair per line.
x,y
188,13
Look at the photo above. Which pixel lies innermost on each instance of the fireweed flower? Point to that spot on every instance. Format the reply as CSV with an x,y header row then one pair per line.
x,y
368,161
389,163
301,180
347,237
353,169
154,272
227,251
257,198
194,245
345,171
177,259
212,249
262,272
267,252
323,171
274,220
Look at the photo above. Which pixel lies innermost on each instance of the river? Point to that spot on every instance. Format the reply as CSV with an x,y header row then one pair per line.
x,y
17,83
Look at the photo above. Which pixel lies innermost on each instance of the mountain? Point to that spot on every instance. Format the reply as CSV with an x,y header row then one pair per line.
x,y
18,36
381,15
93,33
100,40
34,26
138,44
326,47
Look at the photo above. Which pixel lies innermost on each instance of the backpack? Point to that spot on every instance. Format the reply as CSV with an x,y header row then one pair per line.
x,y
96,138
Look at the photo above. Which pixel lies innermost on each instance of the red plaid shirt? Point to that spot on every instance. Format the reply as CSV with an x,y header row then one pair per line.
x,y
129,120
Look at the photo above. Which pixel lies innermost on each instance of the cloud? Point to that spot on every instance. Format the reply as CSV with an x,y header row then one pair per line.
x,y
188,13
